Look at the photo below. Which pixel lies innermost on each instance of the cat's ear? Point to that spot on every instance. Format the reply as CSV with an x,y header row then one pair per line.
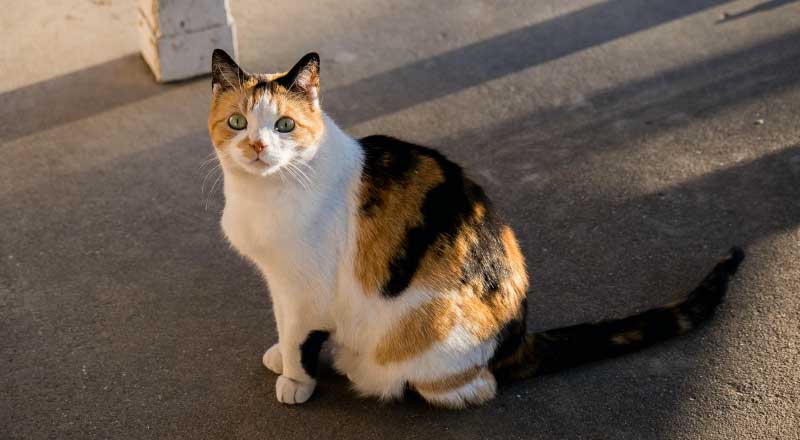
x,y
225,73
303,77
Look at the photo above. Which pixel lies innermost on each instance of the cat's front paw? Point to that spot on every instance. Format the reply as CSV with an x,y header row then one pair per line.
x,y
291,392
272,359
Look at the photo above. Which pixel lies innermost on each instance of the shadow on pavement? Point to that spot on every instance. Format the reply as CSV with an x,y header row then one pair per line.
x,y
642,108
763,7
81,94
75,96
502,55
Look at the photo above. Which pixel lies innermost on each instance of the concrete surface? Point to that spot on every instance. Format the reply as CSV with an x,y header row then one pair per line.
x,y
176,38
629,143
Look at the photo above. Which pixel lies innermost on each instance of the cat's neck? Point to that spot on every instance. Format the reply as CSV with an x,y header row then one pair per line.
x,y
336,161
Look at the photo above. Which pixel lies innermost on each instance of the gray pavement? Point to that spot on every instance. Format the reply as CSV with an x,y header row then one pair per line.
x,y
628,143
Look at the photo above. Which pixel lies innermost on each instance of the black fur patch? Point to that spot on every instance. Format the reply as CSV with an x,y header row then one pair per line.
x,y
383,166
260,87
511,335
309,351
486,260
225,72
308,65
445,209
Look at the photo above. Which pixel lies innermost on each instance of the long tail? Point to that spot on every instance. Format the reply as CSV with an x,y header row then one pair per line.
x,y
553,350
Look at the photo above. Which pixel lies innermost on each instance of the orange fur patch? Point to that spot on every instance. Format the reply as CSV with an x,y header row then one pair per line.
x,y
308,118
416,332
451,382
519,276
421,328
459,390
486,317
223,105
380,236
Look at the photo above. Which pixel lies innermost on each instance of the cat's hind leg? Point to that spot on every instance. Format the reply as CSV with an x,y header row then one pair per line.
x,y
366,378
472,386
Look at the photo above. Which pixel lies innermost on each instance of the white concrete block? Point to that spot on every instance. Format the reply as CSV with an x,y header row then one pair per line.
x,y
184,55
172,17
177,37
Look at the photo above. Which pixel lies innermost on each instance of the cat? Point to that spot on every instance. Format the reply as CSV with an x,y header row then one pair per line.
x,y
389,252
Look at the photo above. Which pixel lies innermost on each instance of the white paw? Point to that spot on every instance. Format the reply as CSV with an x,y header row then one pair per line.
x,y
290,391
272,359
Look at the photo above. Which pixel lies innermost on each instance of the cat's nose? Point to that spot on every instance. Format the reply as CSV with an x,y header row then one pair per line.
x,y
258,146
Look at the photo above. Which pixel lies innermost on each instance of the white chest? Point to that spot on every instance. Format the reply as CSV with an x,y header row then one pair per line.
x,y
266,235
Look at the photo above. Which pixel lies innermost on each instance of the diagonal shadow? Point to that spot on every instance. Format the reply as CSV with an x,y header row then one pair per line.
x,y
75,96
645,107
739,204
502,55
763,7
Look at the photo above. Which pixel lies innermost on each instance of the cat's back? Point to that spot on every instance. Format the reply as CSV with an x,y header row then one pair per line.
x,y
421,219
421,176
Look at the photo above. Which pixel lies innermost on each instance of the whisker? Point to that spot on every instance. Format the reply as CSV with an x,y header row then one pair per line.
x,y
280,174
308,166
301,175
208,162
294,172
208,174
212,190
306,176
291,173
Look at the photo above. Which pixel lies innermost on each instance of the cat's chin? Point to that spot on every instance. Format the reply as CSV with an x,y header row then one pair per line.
x,y
261,169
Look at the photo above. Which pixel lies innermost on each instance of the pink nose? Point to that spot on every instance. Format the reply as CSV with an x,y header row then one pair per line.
x,y
258,146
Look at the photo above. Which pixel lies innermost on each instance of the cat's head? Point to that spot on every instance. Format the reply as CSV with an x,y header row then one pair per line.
x,y
261,123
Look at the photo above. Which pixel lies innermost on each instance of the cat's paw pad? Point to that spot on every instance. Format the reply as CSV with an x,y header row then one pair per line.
x,y
291,392
272,359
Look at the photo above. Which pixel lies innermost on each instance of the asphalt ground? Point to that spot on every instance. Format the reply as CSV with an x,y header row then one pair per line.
x,y
628,143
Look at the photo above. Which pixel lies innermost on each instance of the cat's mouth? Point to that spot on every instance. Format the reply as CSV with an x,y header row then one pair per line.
x,y
262,167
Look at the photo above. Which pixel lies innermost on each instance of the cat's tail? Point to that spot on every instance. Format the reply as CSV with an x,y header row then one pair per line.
x,y
553,350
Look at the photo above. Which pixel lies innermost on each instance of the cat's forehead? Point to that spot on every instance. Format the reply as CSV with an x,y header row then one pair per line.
x,y
260,92
255,78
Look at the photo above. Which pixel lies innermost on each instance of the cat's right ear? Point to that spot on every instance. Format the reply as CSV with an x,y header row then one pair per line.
x,y
225,73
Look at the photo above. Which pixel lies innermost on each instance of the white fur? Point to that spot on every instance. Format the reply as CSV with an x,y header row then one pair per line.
x,y
272,359
301,235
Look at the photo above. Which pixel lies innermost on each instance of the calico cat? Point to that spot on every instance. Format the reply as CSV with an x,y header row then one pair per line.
x,y
390,252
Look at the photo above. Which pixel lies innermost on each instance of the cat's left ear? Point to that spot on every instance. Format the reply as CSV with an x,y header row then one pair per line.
x,y
303,77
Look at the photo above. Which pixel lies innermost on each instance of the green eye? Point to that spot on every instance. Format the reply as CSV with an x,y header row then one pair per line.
x,y
237,121
284,125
